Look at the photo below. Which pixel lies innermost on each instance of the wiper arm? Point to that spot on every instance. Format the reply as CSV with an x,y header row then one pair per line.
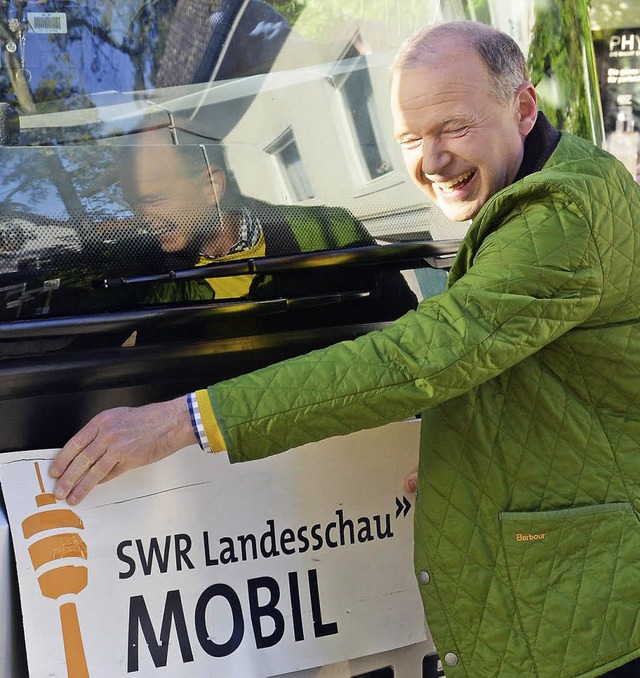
x,y
437,254
127,321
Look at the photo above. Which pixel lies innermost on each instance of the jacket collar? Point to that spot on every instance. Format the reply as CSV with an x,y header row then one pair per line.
x,y
538,146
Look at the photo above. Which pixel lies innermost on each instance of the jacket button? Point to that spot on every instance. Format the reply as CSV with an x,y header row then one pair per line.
x,y
424,577
451,659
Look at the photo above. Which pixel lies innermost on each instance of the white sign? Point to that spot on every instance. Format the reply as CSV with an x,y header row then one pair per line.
x,y
194,566
47,22
9,649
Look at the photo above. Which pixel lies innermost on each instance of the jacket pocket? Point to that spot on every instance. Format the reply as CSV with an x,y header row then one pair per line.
x,y
575,576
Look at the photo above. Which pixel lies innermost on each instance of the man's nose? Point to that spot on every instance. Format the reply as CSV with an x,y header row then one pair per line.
x,y
149,220
148,212
143,213
435,156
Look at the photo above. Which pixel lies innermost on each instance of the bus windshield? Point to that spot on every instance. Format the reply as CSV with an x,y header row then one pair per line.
x,y
141,140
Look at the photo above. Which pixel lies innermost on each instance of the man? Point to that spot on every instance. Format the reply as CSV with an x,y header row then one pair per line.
x,y
187,199
177,193
527,369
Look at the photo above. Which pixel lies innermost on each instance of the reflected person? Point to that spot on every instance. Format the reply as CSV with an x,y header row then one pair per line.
x,y
181,195
188,200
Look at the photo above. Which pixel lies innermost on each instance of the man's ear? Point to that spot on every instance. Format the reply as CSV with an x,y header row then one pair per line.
x,y
527,108
217,179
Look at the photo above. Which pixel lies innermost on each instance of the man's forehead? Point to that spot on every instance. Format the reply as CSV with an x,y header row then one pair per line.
x,y
155,157
437,59
441,75
150,172
429,99
164,164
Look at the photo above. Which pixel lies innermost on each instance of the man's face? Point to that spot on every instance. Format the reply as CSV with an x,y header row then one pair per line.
x,y
173,206
460,144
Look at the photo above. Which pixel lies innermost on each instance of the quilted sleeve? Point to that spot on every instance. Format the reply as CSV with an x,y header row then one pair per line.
x,y
529,281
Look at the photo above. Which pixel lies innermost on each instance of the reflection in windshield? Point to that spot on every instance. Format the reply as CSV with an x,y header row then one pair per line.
x,y
282,140
146,209
64,52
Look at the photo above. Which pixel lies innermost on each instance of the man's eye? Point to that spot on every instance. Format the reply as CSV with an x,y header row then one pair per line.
x,y
153,201
410,142
457,131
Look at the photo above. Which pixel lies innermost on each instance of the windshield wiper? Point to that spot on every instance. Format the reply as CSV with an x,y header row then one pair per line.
x,y
127,321
437,254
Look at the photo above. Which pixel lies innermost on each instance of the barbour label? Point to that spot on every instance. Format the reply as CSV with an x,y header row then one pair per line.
x,y
529,537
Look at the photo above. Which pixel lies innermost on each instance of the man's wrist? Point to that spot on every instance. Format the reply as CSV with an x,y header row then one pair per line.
x,y
196,422
212,429
177,420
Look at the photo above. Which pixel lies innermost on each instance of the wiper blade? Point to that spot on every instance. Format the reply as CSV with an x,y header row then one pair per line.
x,y
127,321
436,253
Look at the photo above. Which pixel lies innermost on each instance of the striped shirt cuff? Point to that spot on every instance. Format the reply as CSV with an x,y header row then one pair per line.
x,y
196,422
205,423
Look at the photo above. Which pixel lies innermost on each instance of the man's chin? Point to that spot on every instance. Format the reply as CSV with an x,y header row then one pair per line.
x,y
457,211
171,243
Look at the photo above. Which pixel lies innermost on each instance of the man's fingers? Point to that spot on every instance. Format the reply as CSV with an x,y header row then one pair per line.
x,y
82,439
116,471
94,475
84,462
411,482
118,440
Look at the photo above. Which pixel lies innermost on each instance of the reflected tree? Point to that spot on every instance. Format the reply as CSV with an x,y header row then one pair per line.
x,y
103,43
290,9
15,86
389,21
562,66
104,46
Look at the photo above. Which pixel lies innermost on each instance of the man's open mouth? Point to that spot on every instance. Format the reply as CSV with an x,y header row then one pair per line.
x,y
166,230
454,184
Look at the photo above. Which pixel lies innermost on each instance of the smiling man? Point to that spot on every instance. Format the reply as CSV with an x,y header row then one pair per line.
x,y
526,369
461,129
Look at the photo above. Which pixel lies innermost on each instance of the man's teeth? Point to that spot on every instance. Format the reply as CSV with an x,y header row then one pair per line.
x,y
448,185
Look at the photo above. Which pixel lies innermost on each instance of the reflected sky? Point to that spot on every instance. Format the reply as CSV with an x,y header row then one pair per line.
x,y
66,50
32,185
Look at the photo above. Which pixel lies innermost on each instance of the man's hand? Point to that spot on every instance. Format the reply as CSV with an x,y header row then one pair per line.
x,y
118,440
410,484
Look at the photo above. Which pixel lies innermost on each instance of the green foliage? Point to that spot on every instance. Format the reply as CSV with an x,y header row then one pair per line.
x,y
290,9
322,19
557,63
480,11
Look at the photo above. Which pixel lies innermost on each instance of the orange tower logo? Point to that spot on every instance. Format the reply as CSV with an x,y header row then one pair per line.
x,y
57,578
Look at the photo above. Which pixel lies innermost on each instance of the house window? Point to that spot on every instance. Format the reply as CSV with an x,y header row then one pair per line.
x,y
353,81
291,167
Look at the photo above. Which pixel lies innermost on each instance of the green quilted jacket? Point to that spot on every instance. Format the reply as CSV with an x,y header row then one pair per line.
x,y
527,369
